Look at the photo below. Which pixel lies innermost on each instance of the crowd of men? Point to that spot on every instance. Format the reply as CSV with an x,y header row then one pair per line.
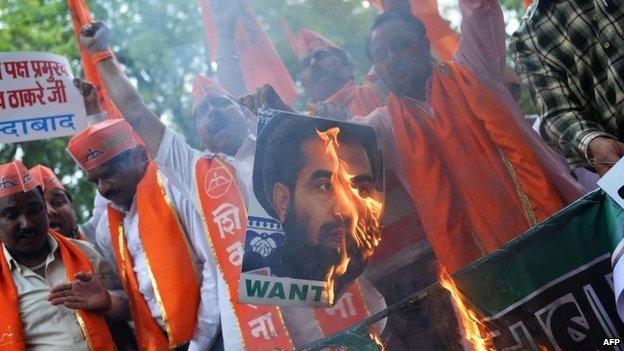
x,y
475,173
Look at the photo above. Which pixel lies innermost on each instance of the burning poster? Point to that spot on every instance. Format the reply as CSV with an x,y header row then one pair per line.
x,y
315,217
550,289
37,97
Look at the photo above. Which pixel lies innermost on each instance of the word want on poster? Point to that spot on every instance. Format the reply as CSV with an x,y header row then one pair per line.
x,y
37,97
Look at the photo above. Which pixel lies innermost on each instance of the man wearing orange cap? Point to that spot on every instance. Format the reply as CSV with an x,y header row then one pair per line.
x,y
61,214
154,237
476,173
326,74
34,258
217,181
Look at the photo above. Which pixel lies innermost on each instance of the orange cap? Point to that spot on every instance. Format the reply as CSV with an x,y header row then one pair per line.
x,y
311,40
15,178
101,142
46,178
204,86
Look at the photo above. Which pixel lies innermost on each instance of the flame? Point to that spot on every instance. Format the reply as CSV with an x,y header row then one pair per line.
x,y
377,340
542,348
474,330
365,230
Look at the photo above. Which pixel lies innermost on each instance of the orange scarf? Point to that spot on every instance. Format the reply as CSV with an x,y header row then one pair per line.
x,y
94,327
359,99
475,180
225,221
170,266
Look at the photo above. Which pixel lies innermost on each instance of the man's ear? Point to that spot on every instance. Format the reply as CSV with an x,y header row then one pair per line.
x,y
281,198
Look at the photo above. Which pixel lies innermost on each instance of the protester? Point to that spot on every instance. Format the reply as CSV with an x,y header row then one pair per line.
x,y
177,160
61,214
325,70
477,175
567,52
155,239
327,76
35,259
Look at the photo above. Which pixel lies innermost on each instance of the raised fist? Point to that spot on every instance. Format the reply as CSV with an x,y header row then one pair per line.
x,y
94,37
263,97
89,94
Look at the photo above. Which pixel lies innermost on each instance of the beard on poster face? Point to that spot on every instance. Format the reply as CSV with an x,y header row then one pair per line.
x,y
309,260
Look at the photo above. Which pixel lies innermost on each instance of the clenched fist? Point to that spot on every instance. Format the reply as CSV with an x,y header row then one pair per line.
x,y
94,37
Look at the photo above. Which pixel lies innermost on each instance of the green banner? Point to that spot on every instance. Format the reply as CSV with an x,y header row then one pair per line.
x,y
550,288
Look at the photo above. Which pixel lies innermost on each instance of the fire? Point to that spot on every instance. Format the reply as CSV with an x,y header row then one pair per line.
x,y
474,331
377,340
365,230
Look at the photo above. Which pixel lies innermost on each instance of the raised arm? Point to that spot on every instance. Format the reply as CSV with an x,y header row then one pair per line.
x,y
95,38
226,14
482,40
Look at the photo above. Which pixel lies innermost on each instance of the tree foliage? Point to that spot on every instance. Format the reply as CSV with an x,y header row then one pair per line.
x,y
162,46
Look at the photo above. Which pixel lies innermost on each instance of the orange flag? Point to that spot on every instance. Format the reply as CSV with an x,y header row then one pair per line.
x,y
260,62
527,3
444,40
293,39
82,16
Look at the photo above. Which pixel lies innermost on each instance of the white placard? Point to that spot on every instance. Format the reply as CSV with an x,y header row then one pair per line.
x,y
613,182
37,97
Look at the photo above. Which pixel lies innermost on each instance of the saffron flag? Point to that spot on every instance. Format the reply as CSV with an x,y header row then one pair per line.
x,y
82,16
551,288
260,62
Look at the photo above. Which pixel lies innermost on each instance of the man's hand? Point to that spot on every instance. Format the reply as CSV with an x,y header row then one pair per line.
x,y
263,97
85,293
604,153
89,95
94,37
333,110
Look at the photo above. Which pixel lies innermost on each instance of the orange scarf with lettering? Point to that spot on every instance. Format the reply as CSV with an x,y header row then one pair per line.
x,y
474,178
359,99
94,327
169,263
225,221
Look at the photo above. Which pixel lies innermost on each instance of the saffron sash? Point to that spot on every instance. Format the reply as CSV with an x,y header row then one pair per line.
x,y
225,219
169,262
93,325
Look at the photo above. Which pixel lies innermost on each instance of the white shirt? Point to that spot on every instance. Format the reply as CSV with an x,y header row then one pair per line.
x,y
177,160
46,327
207,315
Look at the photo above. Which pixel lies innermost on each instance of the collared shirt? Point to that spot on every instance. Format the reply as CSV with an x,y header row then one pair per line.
x,y
177,160
207,315
47,327
570,54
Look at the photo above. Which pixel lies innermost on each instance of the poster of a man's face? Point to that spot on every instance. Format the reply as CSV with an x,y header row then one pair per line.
x,y
315,218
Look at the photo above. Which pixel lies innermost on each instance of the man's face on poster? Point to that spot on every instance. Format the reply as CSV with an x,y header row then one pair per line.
x,y
317,220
